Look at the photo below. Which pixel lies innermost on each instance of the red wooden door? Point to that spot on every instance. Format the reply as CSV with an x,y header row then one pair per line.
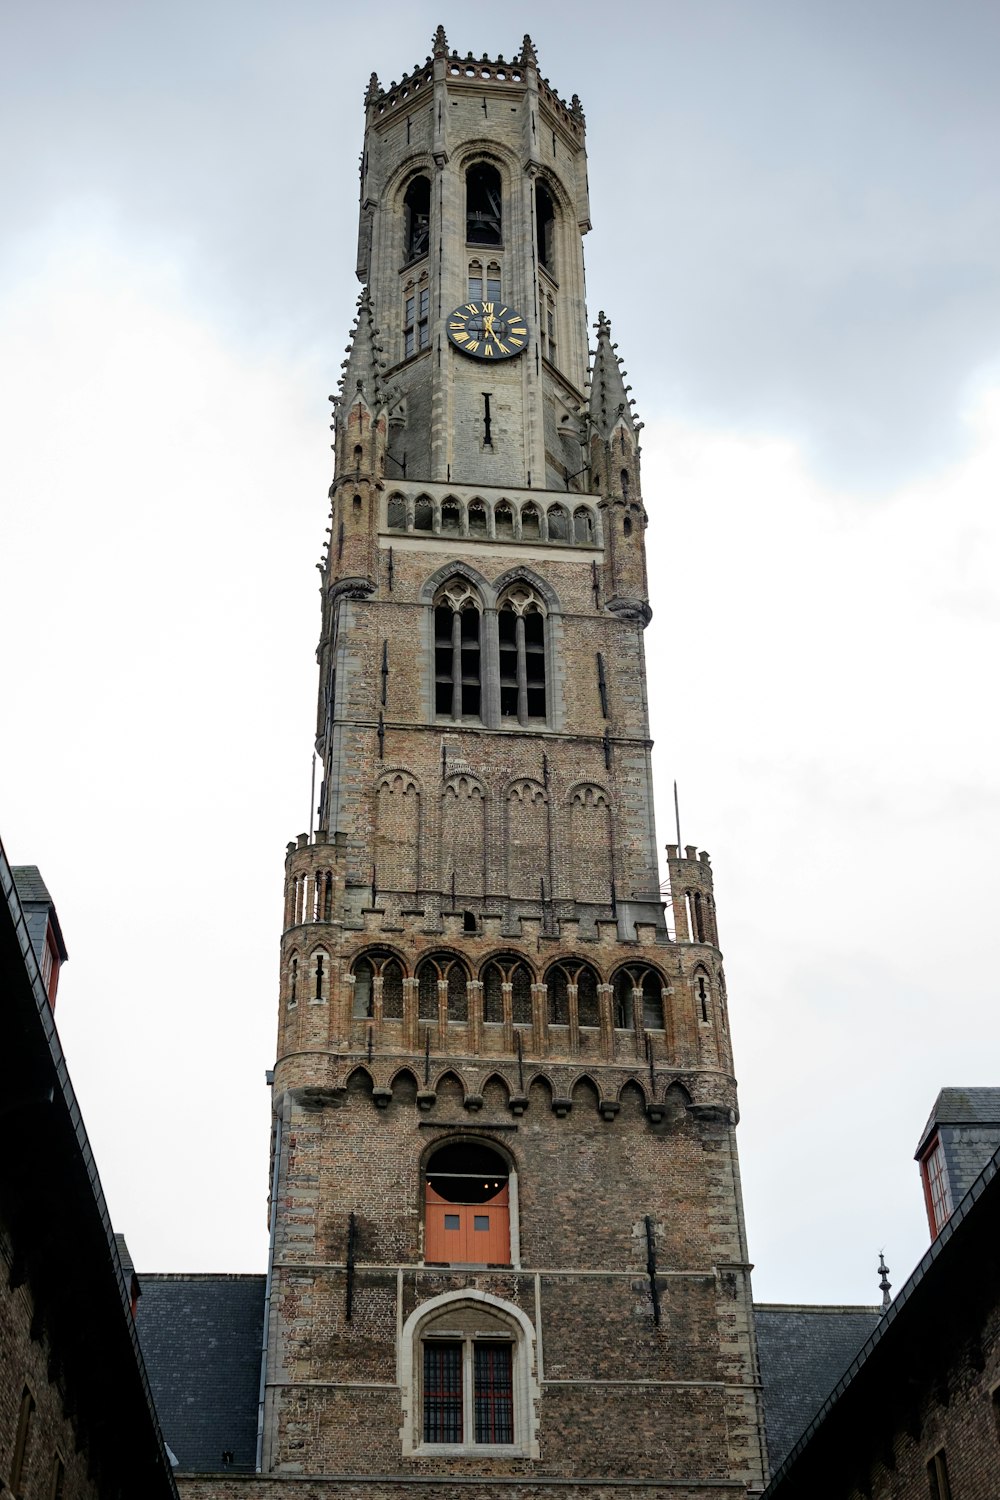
x,y
476,1234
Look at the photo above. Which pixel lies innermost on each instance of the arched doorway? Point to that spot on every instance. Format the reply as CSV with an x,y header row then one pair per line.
x,y
467,1205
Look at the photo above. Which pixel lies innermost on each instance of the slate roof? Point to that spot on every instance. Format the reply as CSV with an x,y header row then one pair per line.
x,y
962,1107
917,1333
30,885
201,1340
803,1353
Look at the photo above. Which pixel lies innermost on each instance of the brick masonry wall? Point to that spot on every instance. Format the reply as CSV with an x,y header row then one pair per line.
x,y
24,1362
445,1487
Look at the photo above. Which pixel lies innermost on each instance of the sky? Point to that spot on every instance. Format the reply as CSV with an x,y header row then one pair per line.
x,y
796,230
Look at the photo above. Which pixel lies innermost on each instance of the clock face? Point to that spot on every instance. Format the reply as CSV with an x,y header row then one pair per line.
x,y
488,330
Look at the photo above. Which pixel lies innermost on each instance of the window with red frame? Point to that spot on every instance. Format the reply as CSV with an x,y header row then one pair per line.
x,y
936,1189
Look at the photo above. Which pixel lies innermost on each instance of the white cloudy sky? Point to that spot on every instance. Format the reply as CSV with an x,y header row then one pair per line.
x,y
796,234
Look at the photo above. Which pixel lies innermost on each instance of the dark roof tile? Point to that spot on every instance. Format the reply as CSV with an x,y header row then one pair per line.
x,y
201,1340
803,1353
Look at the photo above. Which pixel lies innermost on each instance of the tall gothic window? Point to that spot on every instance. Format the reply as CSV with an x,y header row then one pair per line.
x,y
483,205
416,313
521,632
545,220
417,218
457,670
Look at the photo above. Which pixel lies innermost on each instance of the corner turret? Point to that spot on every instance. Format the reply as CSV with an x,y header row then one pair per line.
x,y
614,475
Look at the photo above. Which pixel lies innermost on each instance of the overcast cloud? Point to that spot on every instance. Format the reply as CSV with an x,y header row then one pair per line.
x,y
796,232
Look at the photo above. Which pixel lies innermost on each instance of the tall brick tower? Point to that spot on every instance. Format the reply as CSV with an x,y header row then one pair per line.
x,y
507,1236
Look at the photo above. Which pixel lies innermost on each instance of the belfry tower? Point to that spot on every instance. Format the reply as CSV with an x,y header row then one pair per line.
x,y
507,1235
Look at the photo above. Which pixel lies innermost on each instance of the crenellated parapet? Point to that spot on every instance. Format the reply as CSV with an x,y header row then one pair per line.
x,y
497,73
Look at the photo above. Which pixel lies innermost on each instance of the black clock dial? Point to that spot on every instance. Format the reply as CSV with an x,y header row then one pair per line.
x,y
488,330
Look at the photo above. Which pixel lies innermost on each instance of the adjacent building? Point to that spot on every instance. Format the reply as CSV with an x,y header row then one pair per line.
x,y
77,1420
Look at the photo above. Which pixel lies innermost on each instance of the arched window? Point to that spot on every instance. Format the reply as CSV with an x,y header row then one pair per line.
x,y
396,513
531,523
624,484
378,966
467,1206
493,282
627,526
572,988
510,970
451,516
293,981
521,632
643,985
583,526
457,674
417,218
468,1379
558,523
503,520
478,524
545,219
442,968
483,205
423,513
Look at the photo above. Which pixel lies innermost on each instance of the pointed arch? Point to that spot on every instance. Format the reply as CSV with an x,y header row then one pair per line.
x,y
404,1087
360,1083
521,573
397,831
463,834
591,837
585,1093
677,1101
526,823
449,1084
449,570
496,1092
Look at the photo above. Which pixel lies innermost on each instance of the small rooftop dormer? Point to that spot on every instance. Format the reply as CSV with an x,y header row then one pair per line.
x,y
43,926
960,1138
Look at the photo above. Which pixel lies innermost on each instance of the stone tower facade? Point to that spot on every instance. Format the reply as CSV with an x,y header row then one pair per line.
x,y
507,1237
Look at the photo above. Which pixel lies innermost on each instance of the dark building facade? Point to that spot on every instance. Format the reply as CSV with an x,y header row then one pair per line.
x,y
77,1420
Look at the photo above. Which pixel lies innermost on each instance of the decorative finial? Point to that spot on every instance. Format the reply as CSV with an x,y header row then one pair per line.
x,y
440,44
529,57
373,90
884,1286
